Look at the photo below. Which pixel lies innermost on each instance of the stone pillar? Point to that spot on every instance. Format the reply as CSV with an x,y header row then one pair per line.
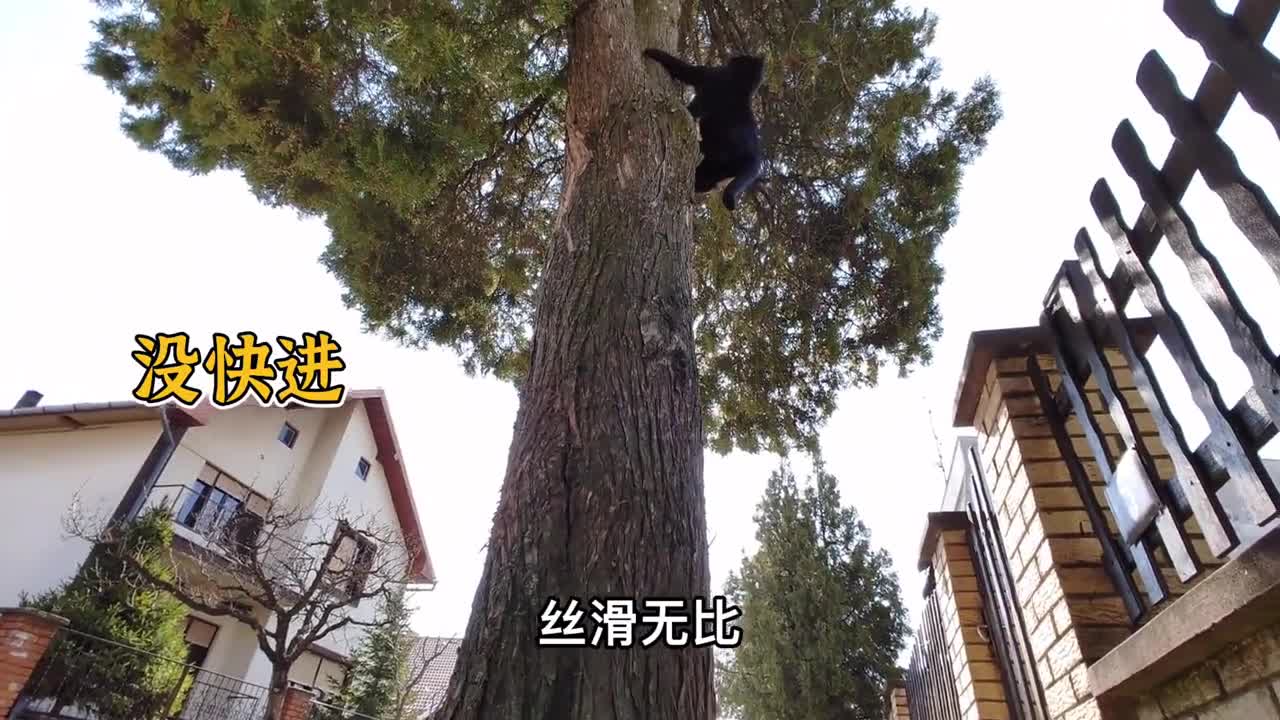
x,y
297,704
896,707
1071,609
25,635
977,678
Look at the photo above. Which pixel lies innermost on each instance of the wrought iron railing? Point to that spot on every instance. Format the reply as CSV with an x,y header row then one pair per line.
x,y
227,525
931,679
85,677
1005,624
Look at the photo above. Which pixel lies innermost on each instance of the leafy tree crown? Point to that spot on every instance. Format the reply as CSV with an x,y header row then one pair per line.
x,y
429,135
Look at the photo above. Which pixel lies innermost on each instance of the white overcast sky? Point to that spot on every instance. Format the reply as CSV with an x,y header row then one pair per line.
x,y
99,241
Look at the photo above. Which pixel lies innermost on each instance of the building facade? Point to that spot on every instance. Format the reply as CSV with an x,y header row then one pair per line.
x,y
208,468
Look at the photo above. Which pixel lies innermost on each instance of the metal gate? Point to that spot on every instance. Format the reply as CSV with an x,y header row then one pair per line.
x,y
1005,626
80,677
931,683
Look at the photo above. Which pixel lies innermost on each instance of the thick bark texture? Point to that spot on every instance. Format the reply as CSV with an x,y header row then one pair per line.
x,y
603,494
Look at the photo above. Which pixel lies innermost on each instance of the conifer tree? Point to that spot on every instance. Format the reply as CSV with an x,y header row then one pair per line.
x,y
512,180
128,661
380,663
823,621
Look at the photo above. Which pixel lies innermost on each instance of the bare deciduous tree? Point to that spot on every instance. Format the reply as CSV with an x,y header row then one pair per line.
x,y
294,576
412,690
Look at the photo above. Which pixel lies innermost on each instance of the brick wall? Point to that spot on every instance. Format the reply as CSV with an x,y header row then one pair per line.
x,y
297,705
897,708
24,637
1072,612
977,677
1241,681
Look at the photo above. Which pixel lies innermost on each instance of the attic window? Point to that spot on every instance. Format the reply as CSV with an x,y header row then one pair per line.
x,y
288,435
362,469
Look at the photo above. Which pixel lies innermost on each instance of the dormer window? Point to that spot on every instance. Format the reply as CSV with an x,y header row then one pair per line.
x,y
362,469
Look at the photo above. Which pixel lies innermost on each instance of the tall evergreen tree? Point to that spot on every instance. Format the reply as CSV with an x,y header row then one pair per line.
x,y
823,621
140,675
512,180
380,663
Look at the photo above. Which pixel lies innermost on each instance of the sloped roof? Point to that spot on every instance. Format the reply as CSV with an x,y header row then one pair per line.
x,y
388,445
431,665
384,433
72,416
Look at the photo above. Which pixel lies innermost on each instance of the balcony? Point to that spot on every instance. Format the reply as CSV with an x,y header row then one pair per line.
x,y
210,516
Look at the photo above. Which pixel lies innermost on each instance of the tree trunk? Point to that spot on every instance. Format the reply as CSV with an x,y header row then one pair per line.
x,y
276,692
603,493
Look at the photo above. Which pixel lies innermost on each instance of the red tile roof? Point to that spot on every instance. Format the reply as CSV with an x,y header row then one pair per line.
x,y
431,665
384,433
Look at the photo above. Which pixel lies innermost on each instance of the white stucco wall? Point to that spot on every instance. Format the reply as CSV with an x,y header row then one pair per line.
x,y
233,647
41,474
367,501
319,473
243,442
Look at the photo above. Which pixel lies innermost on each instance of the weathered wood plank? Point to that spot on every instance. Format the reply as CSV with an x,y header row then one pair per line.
x,y
1140,552
1213,518
1254,70
1228,440
1113,558
1246,202
1206,272
1133,480
1214,97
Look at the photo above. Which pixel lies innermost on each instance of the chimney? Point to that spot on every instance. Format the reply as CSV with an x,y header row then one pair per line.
x,y
30,399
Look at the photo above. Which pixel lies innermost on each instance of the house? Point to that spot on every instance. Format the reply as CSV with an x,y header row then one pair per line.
x,y
430,667
206,466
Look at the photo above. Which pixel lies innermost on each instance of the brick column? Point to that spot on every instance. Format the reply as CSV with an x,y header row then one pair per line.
x,y
1071,609
896,707
977,678
1073,612
25,635
297,704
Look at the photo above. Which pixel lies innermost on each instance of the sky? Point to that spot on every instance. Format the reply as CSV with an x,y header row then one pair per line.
x,y
100,241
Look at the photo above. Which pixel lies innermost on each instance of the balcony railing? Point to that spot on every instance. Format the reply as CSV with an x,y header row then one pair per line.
x,y
218,518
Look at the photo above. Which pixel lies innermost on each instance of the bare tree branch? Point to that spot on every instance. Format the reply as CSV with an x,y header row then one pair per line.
x,y
293,576
420,660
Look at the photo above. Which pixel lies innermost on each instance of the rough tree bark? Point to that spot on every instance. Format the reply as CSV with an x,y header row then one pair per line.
x,y
603,493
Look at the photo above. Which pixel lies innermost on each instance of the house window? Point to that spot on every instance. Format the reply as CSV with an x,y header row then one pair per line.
x,y
199,638
207,509
352,560
222,510
288,435
362,469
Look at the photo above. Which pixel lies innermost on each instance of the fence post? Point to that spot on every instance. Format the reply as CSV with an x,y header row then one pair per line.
x,y
1074,612
896,701
296,705
25,635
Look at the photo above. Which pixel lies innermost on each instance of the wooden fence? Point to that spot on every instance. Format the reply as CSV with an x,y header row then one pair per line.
x,y
1163,519
1085,312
